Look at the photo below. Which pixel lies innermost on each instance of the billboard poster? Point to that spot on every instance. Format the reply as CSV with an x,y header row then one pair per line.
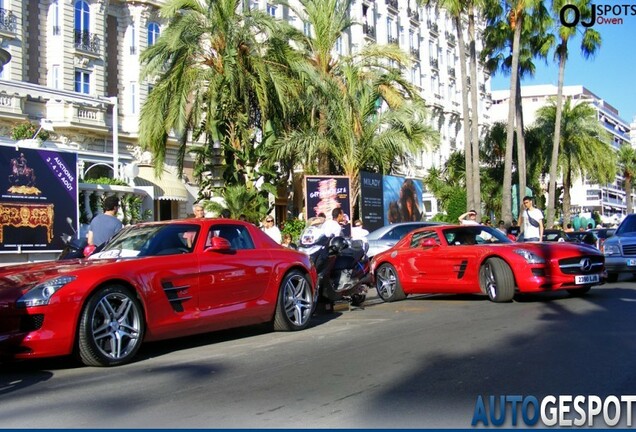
x,y
38,193
402,198
324,193
371,201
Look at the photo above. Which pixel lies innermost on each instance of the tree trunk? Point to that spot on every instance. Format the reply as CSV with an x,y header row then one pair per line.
x,y
474,89
556,143
470,200
521,143
628,193
567,184
506,204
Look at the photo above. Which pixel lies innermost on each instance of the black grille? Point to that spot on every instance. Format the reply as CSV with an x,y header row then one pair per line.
x,y
573,265
629,249
31,322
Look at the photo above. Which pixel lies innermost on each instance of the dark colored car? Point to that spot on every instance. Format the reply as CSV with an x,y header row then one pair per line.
x,y
620,249
555,235
387,236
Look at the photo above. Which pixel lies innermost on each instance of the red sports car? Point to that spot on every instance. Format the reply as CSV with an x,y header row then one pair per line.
x,y
154,281
480,259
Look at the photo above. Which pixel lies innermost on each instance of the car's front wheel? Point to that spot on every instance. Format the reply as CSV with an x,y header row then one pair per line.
x,y
496,280
111,327
295,303
387,284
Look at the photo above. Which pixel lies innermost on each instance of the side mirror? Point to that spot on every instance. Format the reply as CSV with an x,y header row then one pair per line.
x,y
219,244
429,242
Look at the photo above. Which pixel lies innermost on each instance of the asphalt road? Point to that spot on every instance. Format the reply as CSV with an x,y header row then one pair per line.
x,y
419,363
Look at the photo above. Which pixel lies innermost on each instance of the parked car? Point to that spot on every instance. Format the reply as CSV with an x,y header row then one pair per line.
x,y
620,249
556,235
154,281
480,259
385,237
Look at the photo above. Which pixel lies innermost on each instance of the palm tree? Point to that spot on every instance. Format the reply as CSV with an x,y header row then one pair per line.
x,y
360,111
239,199
590,42
535,42
584,150
217,80
627,161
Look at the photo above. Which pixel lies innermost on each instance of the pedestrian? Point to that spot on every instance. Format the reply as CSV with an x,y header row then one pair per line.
x,y
531,221
104,226
198,211
358,232
468,218
332,227
501,227
568,228
287,241
270,228
242,217
225,214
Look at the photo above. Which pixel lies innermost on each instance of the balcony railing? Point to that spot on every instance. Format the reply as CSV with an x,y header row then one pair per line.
x,y
413,14
434,63
450,38
368,30
451,71
392,3
87,41
8,21
433,27
415,52
392,40
57,30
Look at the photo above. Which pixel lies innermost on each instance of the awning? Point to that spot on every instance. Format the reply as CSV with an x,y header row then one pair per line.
x,y
168,187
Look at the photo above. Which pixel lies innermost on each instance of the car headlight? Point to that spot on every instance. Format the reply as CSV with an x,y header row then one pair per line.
x,y
40,294
611,249
530,257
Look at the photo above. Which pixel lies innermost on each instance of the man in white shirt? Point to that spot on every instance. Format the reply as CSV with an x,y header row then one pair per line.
x,y
469,218
332,227
531,221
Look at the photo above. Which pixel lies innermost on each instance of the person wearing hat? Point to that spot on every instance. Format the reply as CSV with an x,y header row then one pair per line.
x,y
104,226
469,218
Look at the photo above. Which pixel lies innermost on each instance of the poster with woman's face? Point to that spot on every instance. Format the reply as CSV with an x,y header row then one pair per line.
x,y
402,199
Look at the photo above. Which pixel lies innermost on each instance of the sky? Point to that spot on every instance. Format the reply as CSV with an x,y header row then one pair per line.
x,y
610,74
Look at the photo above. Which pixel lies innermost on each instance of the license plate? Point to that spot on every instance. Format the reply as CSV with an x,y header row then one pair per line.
x,y
631,262
586,279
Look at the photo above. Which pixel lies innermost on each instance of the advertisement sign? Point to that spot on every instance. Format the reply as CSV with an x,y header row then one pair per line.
x,y
38,193
324,193
389,199
371,201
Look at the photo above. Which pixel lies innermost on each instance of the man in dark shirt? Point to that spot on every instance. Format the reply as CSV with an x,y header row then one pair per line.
x,y
104,226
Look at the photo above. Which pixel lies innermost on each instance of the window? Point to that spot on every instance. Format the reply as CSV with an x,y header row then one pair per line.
x,y
389,29
307,29
339,45
416,240
254,5
132,34
237,235
133,97
153,33
55,17
271,10
55,77
82,16
82,81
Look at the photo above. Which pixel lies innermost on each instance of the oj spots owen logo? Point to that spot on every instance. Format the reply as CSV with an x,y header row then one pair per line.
x,y
571,15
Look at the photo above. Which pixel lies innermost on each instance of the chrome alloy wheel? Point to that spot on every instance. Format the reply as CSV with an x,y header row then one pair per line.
x,y
116,325
299,300
386,282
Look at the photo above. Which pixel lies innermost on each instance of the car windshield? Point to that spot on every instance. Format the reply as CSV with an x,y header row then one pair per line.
x,y
474,234
151,240
627,226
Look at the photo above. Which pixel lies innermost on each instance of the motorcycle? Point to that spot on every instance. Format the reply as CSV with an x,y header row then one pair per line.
x,y
342,265
73,246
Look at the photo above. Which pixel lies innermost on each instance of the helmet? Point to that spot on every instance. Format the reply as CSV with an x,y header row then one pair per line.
x,y
338,243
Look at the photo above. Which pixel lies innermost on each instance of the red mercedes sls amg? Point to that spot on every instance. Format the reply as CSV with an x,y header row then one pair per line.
x,y
154,281
480,259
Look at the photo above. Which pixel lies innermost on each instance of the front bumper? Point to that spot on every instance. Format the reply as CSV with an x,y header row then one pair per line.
x,y
620,264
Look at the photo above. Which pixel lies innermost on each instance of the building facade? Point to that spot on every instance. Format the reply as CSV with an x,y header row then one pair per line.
x,y
75,71
608,199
